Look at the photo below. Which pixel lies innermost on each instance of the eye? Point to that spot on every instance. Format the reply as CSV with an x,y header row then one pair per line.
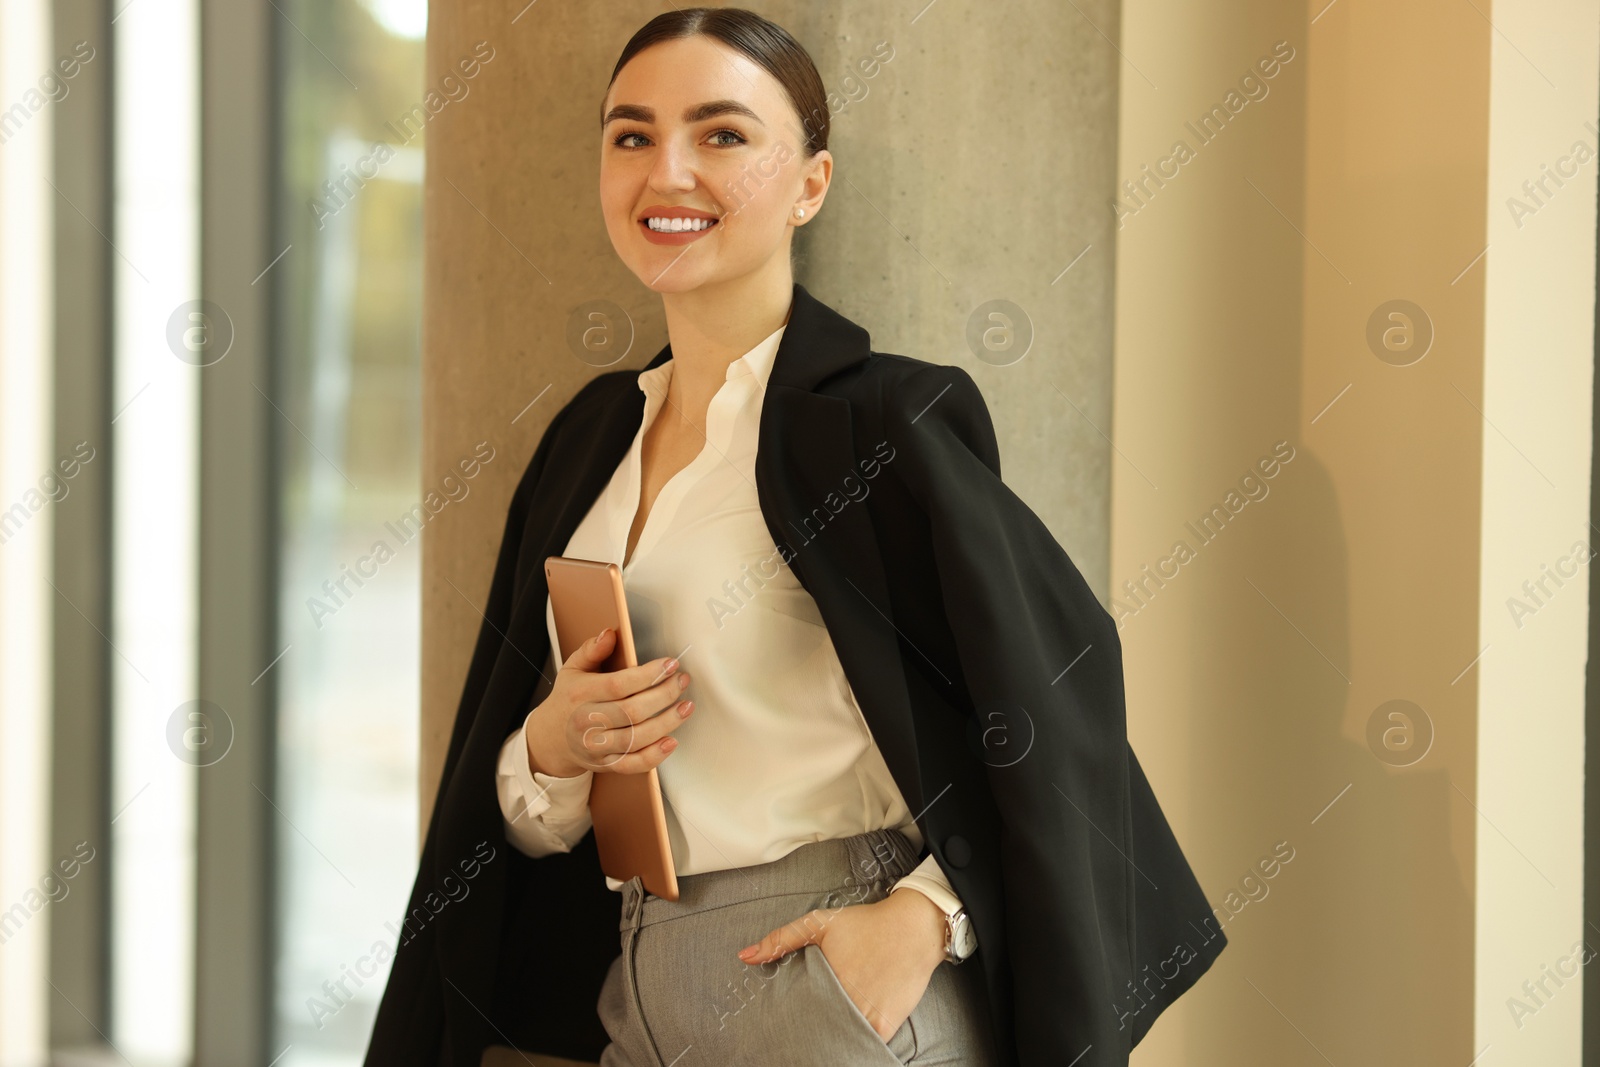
x,y
626,140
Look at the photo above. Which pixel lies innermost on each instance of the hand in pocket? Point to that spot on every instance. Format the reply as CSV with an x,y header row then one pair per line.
x,y
882,953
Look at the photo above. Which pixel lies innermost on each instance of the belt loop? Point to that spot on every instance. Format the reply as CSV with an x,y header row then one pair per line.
x,y
632,903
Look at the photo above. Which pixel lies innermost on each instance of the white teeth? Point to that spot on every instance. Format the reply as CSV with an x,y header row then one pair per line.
x,y
661,225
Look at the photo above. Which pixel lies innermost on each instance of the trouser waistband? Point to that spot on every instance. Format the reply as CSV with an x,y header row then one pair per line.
x,y
850,867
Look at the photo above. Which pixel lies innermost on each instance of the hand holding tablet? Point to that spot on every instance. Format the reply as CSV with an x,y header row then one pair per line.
x,y
607,721
609,714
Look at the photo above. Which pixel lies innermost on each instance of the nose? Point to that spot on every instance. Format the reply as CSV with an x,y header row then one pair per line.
x,y
673,170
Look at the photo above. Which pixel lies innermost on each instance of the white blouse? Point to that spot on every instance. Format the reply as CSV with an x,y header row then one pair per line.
x,y
777,752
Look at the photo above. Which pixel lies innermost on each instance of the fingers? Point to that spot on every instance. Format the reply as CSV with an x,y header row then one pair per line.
x,y
592,654
784,940
642,760
655,727
606,744
613,706
630,680
624,716
639,706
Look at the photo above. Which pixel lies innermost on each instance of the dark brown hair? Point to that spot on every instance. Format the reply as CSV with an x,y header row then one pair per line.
x,y
765,43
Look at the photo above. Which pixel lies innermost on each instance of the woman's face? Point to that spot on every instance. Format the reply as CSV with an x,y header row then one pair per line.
x,y
695,131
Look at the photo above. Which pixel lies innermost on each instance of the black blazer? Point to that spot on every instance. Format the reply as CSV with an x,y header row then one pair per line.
x,y
990,675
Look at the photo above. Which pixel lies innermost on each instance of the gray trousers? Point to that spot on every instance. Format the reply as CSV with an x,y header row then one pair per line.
x,y
679,996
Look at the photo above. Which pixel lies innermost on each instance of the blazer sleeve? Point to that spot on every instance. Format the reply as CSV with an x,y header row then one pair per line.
x,y
1036,647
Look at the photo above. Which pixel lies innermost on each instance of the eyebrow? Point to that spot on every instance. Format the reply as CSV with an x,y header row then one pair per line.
x,y
697,113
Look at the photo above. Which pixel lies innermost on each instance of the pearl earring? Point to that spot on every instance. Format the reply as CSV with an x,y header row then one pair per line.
x,y
799,212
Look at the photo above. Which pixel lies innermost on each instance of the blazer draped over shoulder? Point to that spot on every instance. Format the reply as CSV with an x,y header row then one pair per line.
x,y
989,673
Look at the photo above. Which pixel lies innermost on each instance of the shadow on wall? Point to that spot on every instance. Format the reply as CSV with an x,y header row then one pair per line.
x,y
1355,944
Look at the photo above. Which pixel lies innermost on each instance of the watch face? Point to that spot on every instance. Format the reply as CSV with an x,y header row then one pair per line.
x,y
963,939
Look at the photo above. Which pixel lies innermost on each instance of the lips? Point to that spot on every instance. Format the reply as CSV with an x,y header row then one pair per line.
x,y
679,225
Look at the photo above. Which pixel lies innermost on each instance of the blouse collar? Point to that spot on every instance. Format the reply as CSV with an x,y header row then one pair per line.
x,y
756,362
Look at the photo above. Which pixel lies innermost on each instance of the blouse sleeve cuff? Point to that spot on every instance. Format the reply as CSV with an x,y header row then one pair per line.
x,y
542,811
928,879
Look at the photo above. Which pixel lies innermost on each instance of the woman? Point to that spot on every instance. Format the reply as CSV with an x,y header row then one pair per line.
x,y
905,819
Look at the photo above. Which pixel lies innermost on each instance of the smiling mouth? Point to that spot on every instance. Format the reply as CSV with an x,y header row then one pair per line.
x,y
658,224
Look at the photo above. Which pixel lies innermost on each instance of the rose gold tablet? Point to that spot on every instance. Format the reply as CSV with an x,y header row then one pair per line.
x,y
630,820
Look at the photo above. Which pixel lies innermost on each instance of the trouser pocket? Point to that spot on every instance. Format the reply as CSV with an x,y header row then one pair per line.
x,y
902,1043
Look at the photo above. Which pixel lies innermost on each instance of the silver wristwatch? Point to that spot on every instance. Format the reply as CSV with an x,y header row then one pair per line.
x,y
960,939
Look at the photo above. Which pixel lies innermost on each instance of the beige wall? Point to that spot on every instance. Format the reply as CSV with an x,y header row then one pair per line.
x,y
1245,287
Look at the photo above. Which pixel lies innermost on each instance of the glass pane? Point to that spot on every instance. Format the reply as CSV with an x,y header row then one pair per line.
x,y
155,517
349,350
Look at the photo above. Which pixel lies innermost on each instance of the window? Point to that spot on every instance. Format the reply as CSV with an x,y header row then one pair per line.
x,y
349,344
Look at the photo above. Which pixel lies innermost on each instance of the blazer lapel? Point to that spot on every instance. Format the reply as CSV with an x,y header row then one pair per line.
x,y
808,485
